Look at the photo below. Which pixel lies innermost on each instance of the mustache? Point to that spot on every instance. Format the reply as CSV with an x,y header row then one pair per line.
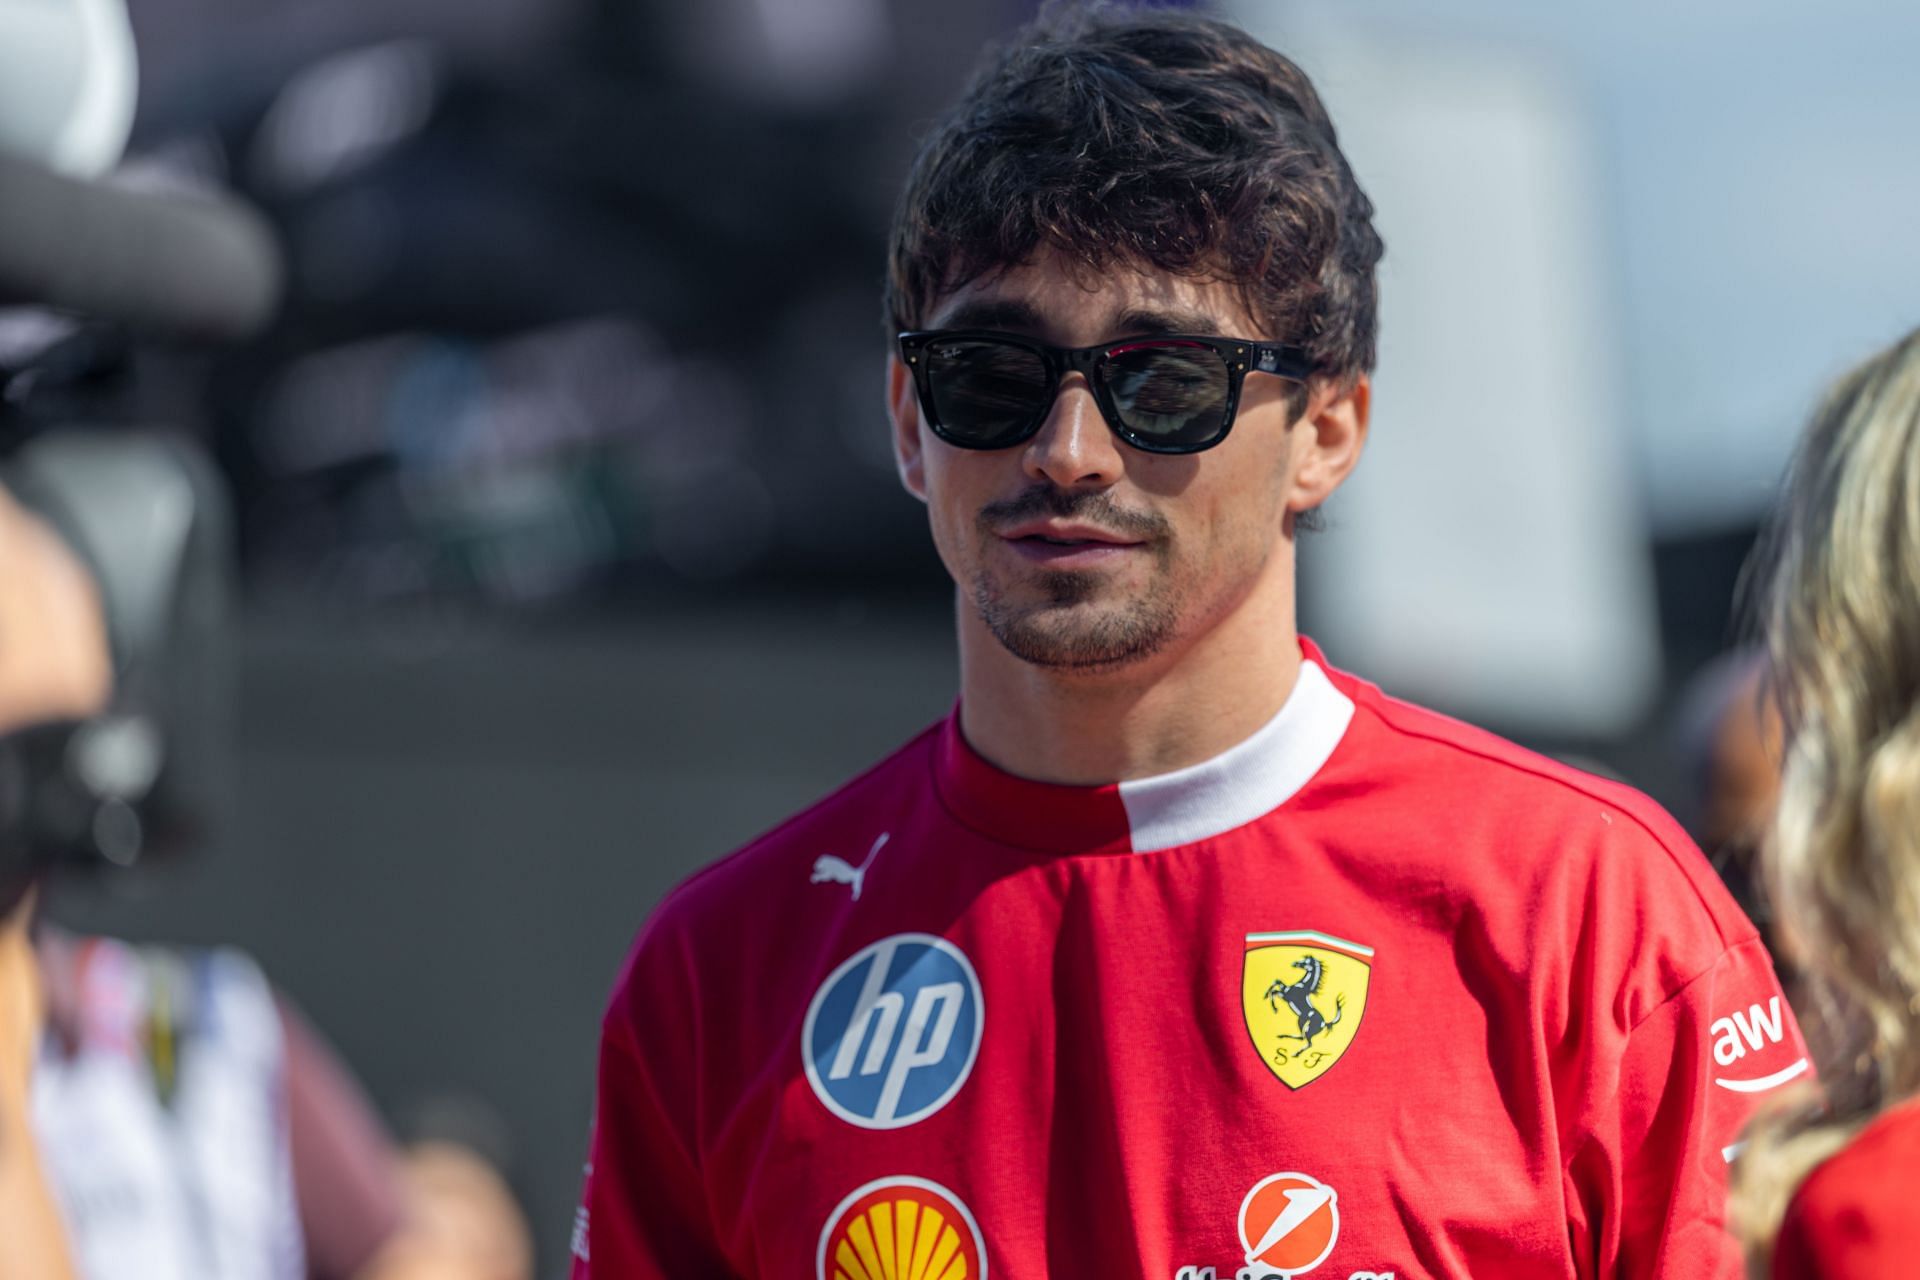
x,y
1070,504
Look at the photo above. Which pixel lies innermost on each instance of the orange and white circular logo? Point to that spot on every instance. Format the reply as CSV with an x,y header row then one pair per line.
x,y
901,1228
1288,1223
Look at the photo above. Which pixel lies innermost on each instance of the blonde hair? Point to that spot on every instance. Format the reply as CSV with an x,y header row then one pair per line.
x,y
1842,862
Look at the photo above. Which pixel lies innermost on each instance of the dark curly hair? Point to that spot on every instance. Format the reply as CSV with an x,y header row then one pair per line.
x,y
1154,140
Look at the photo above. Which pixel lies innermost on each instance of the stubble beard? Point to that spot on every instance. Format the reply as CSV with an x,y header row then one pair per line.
x,y
1071,629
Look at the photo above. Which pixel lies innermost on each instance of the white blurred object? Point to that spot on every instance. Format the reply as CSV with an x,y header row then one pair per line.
x,y
1491,554
345,112
67,82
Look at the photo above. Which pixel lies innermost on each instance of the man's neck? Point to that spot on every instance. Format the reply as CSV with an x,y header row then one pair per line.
x,y
1166,712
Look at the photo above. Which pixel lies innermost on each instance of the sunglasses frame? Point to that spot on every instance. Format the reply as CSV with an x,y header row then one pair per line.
x,y
1240,356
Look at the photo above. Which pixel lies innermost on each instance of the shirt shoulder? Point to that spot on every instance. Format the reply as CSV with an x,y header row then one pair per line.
x,y
1853,1216
1437,745
1520,823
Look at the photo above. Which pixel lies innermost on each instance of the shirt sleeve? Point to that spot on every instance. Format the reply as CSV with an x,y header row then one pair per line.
x,y
644,1212
1647,1188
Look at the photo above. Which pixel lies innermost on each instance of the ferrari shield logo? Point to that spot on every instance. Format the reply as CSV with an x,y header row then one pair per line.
x,y
1303,995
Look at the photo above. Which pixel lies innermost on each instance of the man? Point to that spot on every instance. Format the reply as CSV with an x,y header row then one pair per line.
x,y
1728,738
1175,952
163,1111
54,665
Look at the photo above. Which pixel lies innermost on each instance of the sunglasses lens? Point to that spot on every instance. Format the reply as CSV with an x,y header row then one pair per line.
x,y
1170,395
985,394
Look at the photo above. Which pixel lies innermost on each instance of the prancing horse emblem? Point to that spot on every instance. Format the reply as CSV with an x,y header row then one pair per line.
x,y
1312,1021
1304,996
829,869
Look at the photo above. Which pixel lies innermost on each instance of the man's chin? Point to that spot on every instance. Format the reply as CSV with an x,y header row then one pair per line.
x,y
1086,637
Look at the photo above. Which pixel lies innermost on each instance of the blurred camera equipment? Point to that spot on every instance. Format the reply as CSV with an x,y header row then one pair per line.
x,y
88,263
144,514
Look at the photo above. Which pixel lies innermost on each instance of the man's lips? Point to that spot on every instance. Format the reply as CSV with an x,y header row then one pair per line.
x,y
1063,544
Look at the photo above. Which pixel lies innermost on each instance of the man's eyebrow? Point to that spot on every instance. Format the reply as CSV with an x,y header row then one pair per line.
x,y
1018,316
1154,321
993,313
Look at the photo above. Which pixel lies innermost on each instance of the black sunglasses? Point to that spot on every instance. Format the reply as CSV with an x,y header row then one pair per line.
x,y
1172,394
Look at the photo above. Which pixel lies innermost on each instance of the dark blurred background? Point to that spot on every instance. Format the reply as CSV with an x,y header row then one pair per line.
x,y
572,553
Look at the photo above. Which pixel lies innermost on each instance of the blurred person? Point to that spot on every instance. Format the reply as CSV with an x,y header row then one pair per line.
x,y
197,1125
163,1111
1729,746
1728,735
1826,1188
53,666
1175,951
188,1120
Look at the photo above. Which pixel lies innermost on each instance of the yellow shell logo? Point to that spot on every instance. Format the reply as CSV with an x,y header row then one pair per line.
x,y
1303,995
901,1229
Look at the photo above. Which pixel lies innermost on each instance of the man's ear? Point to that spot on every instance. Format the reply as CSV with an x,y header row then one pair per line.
x,y
903,408
1328,441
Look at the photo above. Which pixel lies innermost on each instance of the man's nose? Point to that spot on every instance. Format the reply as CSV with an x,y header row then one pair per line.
x,y
1074,449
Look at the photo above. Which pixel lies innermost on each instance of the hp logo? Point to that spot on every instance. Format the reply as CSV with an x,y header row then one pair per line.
x,y
892,1033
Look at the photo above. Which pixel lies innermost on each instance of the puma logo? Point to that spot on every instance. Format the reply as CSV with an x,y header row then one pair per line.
x,y
829,869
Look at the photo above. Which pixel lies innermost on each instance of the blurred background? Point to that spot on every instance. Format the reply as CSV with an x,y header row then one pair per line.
x,y
571,554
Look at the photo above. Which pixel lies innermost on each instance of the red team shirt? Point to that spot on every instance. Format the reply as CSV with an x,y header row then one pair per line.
x,y
1372,994
1853,1218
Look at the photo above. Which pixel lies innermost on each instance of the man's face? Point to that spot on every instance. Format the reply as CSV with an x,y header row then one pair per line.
x,y
1079,552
